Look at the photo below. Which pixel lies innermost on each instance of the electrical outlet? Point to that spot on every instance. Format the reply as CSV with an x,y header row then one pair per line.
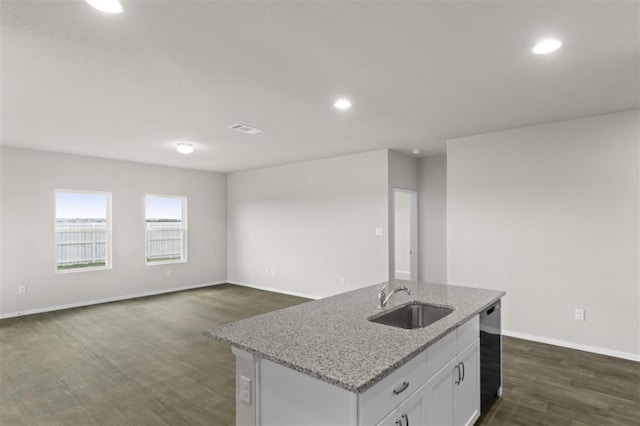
x,y
169,272
22,289
266,271
273,271
579,314
341,280
245,390
379,231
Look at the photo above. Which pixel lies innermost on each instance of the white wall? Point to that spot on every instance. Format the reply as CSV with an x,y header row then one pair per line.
x,y
28,181
403,171
550,214
432,201
1,233
310,224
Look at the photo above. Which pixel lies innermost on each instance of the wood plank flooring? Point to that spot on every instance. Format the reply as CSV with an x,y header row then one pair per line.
x,y
137,362
145,362
550,385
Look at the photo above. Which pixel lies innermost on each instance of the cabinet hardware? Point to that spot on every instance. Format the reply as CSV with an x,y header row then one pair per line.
x,y
462,363
401,388
457,367
406,419
398,422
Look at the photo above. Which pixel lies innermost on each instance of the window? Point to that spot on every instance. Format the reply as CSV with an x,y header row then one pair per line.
x,y
83,230
166,229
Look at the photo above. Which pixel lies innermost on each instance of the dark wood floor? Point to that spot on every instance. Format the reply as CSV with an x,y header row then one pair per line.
x,y
137,362
145,362
550,385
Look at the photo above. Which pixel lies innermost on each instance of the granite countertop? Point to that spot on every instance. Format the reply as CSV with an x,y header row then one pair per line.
x,y
331,339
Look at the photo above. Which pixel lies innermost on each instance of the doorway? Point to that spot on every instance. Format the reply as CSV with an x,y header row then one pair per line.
x,y
405,228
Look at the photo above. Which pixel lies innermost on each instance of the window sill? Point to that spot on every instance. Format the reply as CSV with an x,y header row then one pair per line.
x,y
87,269
165,262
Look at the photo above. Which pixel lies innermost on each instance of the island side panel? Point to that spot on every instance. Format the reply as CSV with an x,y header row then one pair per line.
x,y
246,368
288,397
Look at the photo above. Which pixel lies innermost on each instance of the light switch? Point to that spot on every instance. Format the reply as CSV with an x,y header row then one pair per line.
x,y
379,231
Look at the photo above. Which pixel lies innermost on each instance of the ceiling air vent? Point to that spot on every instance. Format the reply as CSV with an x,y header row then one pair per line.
x,y
245,129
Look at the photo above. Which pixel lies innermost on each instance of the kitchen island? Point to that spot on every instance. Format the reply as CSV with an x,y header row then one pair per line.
x,y
324,362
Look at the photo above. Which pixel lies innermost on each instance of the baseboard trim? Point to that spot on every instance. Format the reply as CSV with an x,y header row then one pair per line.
x,y
571,345
106,300
275,290
525,336
403,275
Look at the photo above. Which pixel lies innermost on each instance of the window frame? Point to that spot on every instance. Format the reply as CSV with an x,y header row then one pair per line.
x,y
108,230
183,228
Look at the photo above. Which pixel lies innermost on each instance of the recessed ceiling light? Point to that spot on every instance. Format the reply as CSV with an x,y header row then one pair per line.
x,y
416,151
108,6
546,46
342,104
184,148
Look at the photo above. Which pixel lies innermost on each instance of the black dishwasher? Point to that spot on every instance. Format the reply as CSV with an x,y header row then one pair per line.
x,y
490,354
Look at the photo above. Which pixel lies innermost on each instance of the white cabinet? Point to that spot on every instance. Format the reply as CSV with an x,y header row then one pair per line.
x,y
452,395
440,386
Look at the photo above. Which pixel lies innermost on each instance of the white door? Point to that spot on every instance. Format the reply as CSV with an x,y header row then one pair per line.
x,y
405,234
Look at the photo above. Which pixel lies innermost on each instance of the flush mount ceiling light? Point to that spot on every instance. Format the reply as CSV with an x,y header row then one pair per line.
x,y
184,148
416,151
342,104
546,46
108,6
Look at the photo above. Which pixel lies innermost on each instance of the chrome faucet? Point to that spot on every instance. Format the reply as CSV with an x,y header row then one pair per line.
x,y
384,298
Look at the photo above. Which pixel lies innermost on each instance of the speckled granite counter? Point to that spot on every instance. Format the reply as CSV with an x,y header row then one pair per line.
x,y
331,339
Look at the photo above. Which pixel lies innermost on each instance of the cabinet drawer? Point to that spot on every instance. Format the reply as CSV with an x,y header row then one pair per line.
x,y
391,391
410,412
441,352
468,333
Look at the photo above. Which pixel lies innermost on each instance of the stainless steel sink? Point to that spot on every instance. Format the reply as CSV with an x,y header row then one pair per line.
x,y
413,315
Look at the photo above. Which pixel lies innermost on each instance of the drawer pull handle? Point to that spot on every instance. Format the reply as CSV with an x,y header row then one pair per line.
x,y
458,380
398,422
462,363
403,387
406,419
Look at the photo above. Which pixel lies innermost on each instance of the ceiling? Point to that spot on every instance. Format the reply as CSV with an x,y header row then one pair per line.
x,y
129,86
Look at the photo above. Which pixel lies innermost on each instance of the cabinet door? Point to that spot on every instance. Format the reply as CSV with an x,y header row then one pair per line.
x,y
467,408
409,413
439,394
